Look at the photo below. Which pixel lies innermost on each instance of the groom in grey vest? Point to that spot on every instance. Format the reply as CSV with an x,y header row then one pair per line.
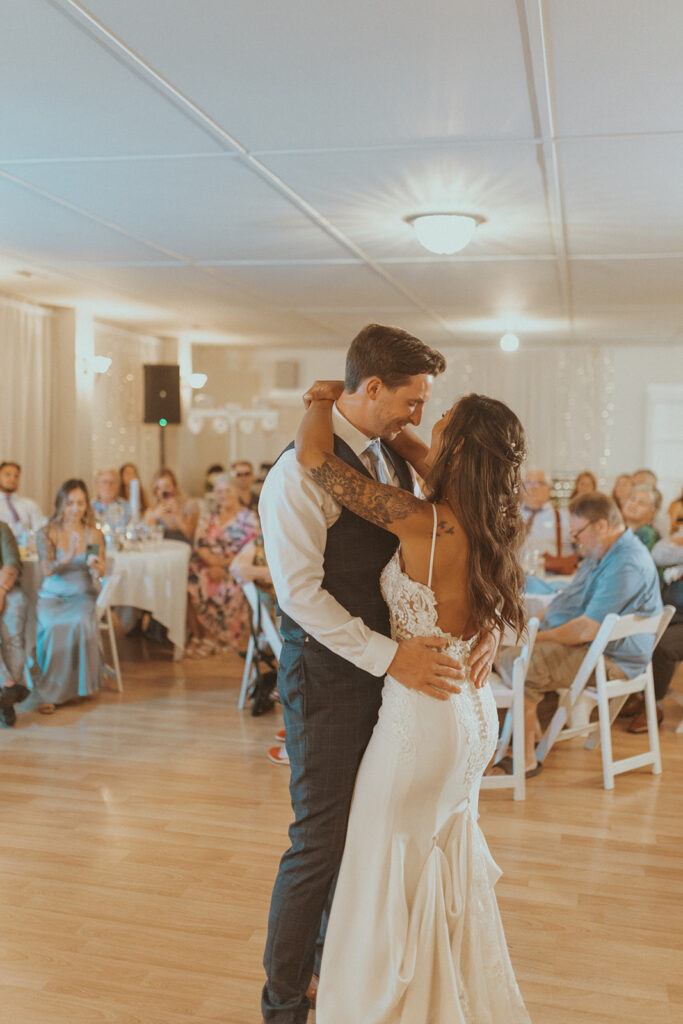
x,y
326,563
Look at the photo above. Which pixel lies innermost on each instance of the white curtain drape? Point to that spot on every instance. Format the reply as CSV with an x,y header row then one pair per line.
x,y
26,404
563,397
119,434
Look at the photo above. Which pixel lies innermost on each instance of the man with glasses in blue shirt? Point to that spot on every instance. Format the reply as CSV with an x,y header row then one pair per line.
x,y
618,575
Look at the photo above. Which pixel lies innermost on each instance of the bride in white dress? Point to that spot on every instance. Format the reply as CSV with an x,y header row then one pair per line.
x,y
415,935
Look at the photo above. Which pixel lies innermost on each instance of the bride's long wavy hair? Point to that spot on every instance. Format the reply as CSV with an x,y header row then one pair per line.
x,y
478,472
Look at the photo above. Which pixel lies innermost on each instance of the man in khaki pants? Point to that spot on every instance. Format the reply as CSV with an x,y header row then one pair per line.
x,y
617,574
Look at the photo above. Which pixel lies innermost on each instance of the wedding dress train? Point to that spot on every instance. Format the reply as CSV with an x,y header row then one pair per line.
x,y
415,935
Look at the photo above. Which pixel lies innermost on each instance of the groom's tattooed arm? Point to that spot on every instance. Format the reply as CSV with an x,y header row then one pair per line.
x,y
379,503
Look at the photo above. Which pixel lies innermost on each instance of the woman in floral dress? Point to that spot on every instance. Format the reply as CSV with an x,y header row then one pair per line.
x,y
218,613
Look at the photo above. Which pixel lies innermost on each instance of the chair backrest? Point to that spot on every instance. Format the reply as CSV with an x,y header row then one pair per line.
x,y
521,663
616,627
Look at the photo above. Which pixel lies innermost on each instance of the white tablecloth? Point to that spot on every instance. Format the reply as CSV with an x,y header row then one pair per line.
x,y
155,579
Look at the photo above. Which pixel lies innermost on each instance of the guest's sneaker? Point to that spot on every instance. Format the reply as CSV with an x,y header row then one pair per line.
x,y
8,716
278,755
280,735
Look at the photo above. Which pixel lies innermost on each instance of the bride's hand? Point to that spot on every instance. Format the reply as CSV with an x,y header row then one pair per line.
x,y
481,658
420,664
323,391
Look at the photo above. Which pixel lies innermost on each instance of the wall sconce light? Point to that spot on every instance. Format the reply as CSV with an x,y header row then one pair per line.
x,y
198,380
100,364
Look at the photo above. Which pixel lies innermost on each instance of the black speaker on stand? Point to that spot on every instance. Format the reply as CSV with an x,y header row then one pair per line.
x,y
162,399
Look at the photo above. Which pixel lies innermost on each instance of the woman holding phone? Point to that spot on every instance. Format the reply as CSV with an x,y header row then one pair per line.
x,y
170,509
72,557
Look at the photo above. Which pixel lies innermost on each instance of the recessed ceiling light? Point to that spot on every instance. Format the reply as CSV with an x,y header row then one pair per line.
x,y
509,342
444,233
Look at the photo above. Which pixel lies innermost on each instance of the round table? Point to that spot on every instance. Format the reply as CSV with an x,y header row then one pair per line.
x,y
154,578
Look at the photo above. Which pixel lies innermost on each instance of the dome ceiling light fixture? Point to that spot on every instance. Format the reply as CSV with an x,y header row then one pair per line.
x,y
444,233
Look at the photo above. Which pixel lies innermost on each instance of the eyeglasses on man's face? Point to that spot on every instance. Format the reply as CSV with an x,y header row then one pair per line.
x,y
575,534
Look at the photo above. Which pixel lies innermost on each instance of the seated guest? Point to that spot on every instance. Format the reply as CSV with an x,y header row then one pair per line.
x,y
547,527
668,556
623,485
20,514
649,478
585,483
212,472
243,481
639,513
170,508
110,510
12,624
72,556
675,514
218,614
618,575
127,473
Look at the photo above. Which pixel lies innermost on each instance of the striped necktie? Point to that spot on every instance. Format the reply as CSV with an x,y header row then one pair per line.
x,y
13,510
373,452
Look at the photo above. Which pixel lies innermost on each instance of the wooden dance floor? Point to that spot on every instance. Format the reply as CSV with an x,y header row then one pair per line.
x,y
141,833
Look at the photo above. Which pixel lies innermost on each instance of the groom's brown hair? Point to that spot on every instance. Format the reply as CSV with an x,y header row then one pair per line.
x,y
391,354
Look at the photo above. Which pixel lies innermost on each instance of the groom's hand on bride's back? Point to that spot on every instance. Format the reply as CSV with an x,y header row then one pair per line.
x,y
421,664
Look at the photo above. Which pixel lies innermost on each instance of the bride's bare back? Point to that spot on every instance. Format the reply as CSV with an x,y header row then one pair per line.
x,y
449,573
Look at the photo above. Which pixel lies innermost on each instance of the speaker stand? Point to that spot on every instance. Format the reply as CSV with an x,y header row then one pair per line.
x,y
162,446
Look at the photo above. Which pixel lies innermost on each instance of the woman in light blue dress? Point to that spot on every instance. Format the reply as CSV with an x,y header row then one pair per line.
x,y
72,556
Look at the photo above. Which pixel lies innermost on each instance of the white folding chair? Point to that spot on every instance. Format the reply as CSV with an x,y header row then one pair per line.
x,y
263,630
512,700
106,624
609,695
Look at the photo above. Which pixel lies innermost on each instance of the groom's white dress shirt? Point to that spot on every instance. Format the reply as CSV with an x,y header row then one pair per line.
x,y
296,514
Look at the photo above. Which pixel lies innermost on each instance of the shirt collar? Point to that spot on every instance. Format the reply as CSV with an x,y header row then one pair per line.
x,y
354,438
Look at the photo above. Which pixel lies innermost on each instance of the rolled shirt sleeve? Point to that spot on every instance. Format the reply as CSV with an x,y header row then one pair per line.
x,y
295,515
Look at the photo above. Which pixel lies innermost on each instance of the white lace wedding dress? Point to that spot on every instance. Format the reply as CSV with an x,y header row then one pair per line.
x,y
415,935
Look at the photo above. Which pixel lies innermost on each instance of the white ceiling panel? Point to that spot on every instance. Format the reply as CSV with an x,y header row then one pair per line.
x,y
205,208
306,74
367,193
654,285
64,94
463,290
318,288
617,64
34,227
624,196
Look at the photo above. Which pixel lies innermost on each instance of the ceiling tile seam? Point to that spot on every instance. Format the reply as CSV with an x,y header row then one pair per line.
x,y
556,194
125,158
257,165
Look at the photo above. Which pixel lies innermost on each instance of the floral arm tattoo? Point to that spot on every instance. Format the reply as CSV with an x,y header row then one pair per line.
x,y
380,504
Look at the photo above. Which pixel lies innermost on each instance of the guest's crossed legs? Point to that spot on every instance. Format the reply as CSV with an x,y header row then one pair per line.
x,y
329,718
